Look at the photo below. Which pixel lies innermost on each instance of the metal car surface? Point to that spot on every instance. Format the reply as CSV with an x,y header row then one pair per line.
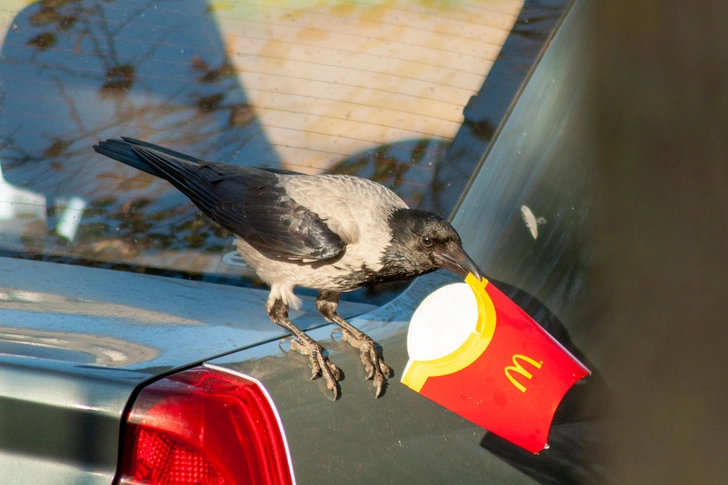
x,y
76,342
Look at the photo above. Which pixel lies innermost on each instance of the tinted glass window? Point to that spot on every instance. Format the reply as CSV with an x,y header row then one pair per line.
x,y
407,94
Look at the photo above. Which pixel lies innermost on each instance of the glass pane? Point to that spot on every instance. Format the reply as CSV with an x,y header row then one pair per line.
x,y
375,89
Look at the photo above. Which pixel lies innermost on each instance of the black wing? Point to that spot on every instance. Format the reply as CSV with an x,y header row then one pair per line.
x,y
248,201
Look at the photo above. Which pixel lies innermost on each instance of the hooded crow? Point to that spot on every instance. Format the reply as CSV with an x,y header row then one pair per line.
x,y
331,233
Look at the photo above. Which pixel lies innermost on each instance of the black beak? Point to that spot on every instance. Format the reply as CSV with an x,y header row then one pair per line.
x,y
455,260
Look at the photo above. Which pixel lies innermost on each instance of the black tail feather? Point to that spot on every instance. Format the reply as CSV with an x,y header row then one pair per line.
x,y
122,151
166,151
186,176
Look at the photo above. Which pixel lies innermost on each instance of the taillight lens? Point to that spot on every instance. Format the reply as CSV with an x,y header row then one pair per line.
x,y
204,426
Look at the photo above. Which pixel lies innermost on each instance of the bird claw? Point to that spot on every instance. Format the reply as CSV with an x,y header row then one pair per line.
x,y
320,364
374,365
380,384
283,341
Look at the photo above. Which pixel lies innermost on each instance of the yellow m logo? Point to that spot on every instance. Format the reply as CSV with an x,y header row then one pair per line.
x,y
517,367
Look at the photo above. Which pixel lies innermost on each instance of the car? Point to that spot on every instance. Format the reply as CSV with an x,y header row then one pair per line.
x,y
134,342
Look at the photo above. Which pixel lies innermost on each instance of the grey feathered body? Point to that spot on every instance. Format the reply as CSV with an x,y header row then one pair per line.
x,y
355,209
326,232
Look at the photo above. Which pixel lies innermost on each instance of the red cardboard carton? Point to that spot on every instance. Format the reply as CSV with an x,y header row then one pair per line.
x,y
475,352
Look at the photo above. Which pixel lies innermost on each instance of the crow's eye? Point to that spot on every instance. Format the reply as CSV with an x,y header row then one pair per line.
x,y
427,241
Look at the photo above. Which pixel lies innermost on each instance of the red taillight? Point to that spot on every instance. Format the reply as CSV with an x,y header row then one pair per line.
x,y
204,426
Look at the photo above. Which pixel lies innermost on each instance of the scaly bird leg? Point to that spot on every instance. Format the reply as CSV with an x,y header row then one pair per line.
x,y
320,365
327,303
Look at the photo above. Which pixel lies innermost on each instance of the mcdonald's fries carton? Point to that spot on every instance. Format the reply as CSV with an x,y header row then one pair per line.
x,y
475,352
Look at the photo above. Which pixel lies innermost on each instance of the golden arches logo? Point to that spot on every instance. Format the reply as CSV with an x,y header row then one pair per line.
x,y
517,367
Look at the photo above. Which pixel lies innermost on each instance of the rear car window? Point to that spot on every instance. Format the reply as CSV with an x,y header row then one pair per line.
x,y
406,93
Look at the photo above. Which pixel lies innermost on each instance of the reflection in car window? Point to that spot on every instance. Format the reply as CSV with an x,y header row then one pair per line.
x,y
373,89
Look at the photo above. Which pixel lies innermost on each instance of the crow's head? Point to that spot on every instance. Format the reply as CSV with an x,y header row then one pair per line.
x,y
423,242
